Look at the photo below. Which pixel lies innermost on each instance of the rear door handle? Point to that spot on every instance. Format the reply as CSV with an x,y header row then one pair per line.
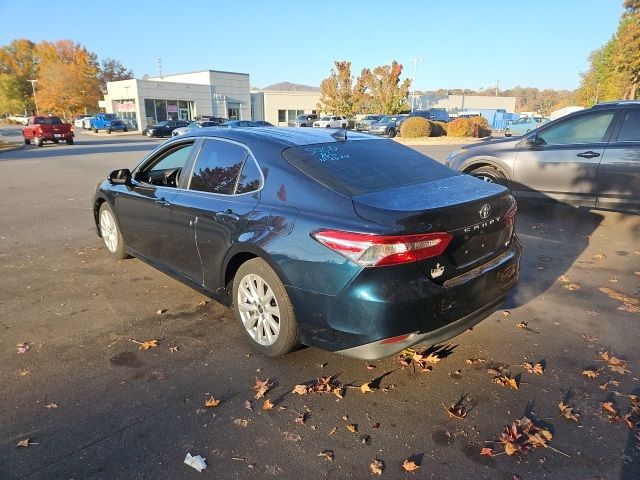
x,y
162,202
227,215
588,154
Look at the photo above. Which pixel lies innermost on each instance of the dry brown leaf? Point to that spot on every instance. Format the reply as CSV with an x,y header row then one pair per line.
x,y
160,311
590,373
457,410
211,402
613,280
24,373
474,360
521,324
487,452
25,443
571,287
300,389
261,387
248,406
410,466
366,387
51,405
267,405
333,430
564,279
537,369
352,427
173,349
377,466
146,345
327,454
599,256
371,366
590,338
506,313
604,385
301,418
506,381
567,412
241,422
609,407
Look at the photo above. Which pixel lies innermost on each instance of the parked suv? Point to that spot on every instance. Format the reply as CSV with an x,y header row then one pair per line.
x,y
305,120
368,120
108,122
587,158
333,121
435,114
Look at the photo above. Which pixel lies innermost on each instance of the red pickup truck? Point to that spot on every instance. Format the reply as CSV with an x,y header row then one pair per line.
x,y
47,129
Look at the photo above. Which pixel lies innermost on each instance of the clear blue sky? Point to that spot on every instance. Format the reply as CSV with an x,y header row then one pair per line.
x,y
464,43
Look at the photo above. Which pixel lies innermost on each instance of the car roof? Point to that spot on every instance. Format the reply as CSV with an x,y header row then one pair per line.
x,y
618,103
284,136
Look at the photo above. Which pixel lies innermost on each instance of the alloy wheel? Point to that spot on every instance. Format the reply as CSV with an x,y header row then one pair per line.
x,y
258,309
109,230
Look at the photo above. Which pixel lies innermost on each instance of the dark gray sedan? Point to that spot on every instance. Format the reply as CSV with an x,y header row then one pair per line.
x,y
589,158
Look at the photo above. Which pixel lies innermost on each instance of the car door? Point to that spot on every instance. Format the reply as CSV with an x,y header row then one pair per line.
x,y
143,208
561,161
214,209
619,173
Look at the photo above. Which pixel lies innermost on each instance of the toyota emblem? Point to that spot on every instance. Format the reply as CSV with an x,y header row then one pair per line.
x,y
485,211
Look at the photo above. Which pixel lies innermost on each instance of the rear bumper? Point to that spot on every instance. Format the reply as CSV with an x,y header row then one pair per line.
x,y
381,303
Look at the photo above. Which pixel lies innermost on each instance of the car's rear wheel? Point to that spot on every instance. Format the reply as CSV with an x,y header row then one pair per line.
x,y
489,174
70,141
27,141
392,133
95,130
263,308
344,125
328,126
108,130
507,133
110,232
125,129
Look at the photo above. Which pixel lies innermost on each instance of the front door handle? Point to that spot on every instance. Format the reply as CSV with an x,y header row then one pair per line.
x,y
588,154
227,216
162,202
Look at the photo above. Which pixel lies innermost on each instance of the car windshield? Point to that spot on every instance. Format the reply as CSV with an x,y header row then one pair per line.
x,y
194,124
110,116
364,166
164,123
389,119
325,119
302,117
370,117
47,120
539,119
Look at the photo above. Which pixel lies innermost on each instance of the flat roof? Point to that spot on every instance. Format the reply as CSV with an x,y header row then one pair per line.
x,y
198,71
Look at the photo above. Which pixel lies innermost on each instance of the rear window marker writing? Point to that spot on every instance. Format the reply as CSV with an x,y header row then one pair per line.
x,y
327,153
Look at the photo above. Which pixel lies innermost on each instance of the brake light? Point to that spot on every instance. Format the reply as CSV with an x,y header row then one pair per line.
x,y
510,214
39,130
371,250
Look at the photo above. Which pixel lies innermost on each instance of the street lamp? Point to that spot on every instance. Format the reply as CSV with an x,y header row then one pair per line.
x,y
35,100
415,65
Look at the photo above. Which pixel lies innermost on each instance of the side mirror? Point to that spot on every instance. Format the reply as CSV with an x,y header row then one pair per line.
x,y
120,177
534,140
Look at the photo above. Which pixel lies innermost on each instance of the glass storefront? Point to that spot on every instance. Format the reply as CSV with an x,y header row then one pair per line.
x,y
160,110
126,110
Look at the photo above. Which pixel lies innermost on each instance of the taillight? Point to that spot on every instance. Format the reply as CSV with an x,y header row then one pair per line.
x,y
39,131
378,250
510,214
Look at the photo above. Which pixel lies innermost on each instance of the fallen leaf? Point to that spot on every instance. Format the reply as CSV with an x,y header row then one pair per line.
x,y
333,430
599,256
300,389
161,311
564,279
146,345
613,280
211,402
248,406
267,405
506,381
377,466
457,410
604,386
301,418
590,338
352,427
609,407
536,369
23,347
327,454
567,412
590,373
474,360
487,452
51,405
506,313
261,387
365,387
24,373
241,422
410,466
521,324
25,443
571,287
173,349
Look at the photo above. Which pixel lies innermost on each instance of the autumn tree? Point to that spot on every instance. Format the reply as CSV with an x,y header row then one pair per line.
x,y
68,77
338,94
383,92
628,52
112,70
18,65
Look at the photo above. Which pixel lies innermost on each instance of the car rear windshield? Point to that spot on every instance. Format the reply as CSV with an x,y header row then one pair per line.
x,y
364,166
47,120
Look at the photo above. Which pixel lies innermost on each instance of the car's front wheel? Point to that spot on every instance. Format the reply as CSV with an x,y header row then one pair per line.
x,y
507,133
489,174
392,133
110,232
263,309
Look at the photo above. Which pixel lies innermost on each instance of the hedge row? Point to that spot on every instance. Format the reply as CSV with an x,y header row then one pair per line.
x,y
415,127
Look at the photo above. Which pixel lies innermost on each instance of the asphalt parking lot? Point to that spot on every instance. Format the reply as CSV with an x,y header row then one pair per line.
x,y
93,405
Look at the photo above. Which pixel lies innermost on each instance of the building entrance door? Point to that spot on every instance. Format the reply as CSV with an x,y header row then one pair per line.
x,y
184,114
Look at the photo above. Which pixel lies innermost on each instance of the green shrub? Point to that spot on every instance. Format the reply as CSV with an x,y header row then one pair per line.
x,y
460,127
415,127
438,129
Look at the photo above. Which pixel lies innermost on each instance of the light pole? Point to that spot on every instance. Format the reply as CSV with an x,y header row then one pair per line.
x,y
415,66
35,100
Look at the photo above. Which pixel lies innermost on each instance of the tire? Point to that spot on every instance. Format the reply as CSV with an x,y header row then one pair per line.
x,y
392,133
125,129
27,141
110,232
38,141
328,126
109,131
70,141
507,133
95,130
489,174
56,141
256,275
344,125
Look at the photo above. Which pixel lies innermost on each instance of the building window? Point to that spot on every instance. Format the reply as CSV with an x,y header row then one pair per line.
x,y
161,110
282,116
233,111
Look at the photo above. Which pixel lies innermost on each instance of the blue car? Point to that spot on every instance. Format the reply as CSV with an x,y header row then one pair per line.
x,y
314,236
524,125
107,121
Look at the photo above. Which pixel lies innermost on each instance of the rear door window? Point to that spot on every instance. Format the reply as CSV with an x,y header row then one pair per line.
x,y
217,167
358,167
630,131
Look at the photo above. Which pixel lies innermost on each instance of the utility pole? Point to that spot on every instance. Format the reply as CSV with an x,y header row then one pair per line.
x,y
35,100
160,67
497,87
415,66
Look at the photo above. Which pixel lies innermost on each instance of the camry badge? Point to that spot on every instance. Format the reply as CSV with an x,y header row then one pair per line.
x,y
485,211
437,272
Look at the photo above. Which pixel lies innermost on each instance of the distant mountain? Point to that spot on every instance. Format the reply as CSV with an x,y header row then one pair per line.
x,y
292,87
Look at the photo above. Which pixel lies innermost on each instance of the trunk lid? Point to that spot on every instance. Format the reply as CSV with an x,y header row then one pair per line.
x,y
475,213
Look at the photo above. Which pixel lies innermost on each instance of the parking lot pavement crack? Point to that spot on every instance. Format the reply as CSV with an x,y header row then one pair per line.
x,y
93,443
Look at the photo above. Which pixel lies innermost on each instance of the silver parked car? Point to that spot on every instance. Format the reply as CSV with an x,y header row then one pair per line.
x,y
588,158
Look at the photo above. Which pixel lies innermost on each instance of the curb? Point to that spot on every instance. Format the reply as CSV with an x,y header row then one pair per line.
x,y
12,147
108,135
